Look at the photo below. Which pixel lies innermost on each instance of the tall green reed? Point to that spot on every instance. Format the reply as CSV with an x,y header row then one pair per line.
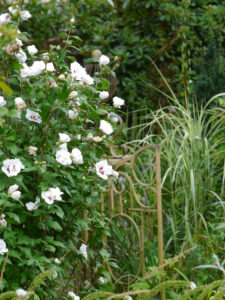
x,y
192,145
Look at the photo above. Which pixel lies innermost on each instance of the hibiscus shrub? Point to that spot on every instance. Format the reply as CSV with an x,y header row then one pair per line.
x,y
54,136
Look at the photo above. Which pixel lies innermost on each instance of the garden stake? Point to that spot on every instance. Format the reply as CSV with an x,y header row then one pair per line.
x,y
159,211
117,210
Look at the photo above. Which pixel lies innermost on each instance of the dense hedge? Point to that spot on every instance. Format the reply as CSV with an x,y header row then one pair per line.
x,y
175,34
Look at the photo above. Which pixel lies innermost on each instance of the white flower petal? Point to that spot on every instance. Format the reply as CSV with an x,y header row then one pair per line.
x,y
2,101
51,195
104,60
77,156
105,127
50,67
103,95
118,102
64,138
3,248
32,49
63,157
16,195
33,116
25,15
12,167
83,251
13,188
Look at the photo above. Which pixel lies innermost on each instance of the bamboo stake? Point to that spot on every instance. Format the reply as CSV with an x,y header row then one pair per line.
x,y
159,211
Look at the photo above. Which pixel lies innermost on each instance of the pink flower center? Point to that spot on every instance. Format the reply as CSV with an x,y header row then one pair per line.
x,y
52,197
101,170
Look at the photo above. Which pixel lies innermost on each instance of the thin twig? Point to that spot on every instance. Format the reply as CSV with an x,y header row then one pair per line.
x,y
3,268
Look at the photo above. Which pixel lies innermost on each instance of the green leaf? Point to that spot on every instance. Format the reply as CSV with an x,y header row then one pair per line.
x,y
50,248
13,113
140,286
104,85
104,253
126,3
101,111
220,226
59,212
111,2
3,184
6,89
16,65
113,264
55,225
13,216
51,240
13,148
25,240
14,253
26,251
30,169
76,40
3,111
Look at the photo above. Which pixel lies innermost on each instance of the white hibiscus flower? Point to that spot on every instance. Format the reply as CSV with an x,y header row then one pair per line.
x,y
103,169
64,138
13,188
104,60
105,127
77,156
32,205
118,102
32,50
83,251
12,167
25,15
2,101
103,95
50,67
3,248
33,116
21,293
51,195
63,157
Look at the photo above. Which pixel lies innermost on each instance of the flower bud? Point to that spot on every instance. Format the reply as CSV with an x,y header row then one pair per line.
x,y
62,77
32,150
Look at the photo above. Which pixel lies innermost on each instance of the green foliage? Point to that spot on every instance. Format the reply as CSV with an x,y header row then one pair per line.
x,y
208,289
13,295
39,279
45,233
193,293
192,156
176,37
97,295
200,292
173,33
219,295
5,88
49,20
161,287
209,74
7,295
189,142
